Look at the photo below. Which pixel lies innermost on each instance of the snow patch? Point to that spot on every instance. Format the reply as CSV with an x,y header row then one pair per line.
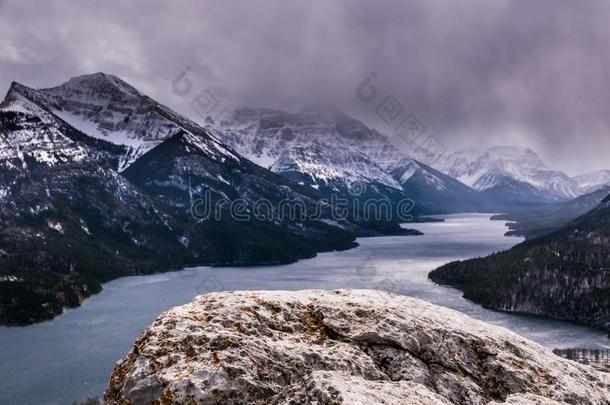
x,y
56,226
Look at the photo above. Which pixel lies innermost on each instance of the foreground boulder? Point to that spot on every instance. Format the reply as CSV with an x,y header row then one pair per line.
x,y
340,347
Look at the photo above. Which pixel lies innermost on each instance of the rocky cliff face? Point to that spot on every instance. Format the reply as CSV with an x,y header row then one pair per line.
x,y
340,347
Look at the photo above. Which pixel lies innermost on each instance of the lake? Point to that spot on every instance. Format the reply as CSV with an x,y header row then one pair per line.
x,y
70,358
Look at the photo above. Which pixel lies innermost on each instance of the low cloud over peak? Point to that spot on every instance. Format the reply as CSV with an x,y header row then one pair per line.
x,y
474,72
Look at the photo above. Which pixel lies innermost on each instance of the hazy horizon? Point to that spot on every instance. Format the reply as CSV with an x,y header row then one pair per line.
x,y
475,73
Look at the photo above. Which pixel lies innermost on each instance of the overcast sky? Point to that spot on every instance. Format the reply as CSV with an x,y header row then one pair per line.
x,y
475,73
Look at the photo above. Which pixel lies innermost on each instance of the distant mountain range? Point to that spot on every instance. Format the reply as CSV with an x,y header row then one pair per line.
x,y
510,173
332,152
539,221
591,182
98,181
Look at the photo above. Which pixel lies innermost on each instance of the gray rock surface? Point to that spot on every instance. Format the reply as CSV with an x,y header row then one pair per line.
x,y
340,347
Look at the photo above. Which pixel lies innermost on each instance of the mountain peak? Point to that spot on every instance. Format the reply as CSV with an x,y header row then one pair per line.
x,y
98,76
504,154
497,166
17,88
98,83
19,98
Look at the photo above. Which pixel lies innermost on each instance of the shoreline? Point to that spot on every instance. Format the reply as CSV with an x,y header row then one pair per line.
x,y
346,246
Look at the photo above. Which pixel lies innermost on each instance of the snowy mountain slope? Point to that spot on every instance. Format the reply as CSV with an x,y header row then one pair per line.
x,y
68,220
322,148
108,109
509,172
263,135
116,113
591,182
324,164
31,134
435,190
347,175
105,107
183,175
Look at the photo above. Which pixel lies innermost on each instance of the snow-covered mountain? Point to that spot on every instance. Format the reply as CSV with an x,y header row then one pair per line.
x,y
435,190
31,134
265,135
330,150
591,182
68,220
510,173
98,181
90,116
323,164
107,108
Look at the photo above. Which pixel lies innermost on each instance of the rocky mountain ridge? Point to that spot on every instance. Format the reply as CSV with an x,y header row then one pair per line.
x,y
332,151
592,182
507,172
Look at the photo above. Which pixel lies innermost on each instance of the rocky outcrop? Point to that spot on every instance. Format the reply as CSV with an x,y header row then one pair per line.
x,y
340,347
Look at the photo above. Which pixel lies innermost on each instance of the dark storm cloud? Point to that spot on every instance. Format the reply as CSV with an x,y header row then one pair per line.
x,y
476,72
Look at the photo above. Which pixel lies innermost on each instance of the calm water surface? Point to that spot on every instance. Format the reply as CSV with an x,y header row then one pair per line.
x,y
70,358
